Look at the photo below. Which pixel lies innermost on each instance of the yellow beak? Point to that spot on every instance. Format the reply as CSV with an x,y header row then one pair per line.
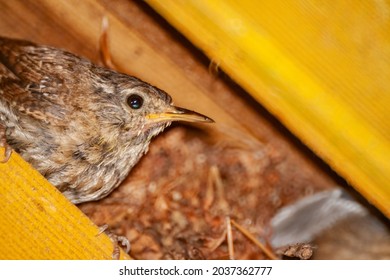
x,y
178,114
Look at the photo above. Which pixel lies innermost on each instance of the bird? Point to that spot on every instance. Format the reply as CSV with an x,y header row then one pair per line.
x,y
82,126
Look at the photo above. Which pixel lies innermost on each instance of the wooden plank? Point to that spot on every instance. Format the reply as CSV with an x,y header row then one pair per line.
x,y
322,69
38,222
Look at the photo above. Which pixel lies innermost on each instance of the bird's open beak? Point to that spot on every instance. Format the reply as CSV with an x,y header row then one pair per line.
x,y
178,114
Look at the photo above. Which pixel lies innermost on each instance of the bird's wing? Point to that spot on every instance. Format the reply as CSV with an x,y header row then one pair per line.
x,y
30,80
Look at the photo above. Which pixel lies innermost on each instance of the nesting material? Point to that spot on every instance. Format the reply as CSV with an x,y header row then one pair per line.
x,y
175,203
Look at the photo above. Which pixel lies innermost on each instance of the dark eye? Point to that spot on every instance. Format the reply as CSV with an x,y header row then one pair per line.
x,y
135,101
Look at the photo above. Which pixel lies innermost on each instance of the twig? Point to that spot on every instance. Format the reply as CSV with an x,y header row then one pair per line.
x,y
248,235
229,237
104,49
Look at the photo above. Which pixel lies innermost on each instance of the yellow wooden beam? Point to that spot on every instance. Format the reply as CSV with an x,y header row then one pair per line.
x,y
38,222
322,69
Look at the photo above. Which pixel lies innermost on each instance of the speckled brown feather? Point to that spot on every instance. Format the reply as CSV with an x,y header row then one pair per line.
x,y
71,120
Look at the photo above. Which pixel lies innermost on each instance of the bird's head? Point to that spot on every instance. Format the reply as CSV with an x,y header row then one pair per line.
x,y
138,110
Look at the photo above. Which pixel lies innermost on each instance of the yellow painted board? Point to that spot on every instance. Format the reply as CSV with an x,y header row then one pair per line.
x,y
321,67
38,222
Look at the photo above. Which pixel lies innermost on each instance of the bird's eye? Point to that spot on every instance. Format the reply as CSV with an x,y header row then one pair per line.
x,y
135,101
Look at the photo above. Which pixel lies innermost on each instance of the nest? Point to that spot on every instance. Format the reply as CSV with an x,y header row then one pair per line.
x,y
192,197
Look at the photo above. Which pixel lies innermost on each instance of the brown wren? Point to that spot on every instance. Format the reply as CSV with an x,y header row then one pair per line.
x,y
81,126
